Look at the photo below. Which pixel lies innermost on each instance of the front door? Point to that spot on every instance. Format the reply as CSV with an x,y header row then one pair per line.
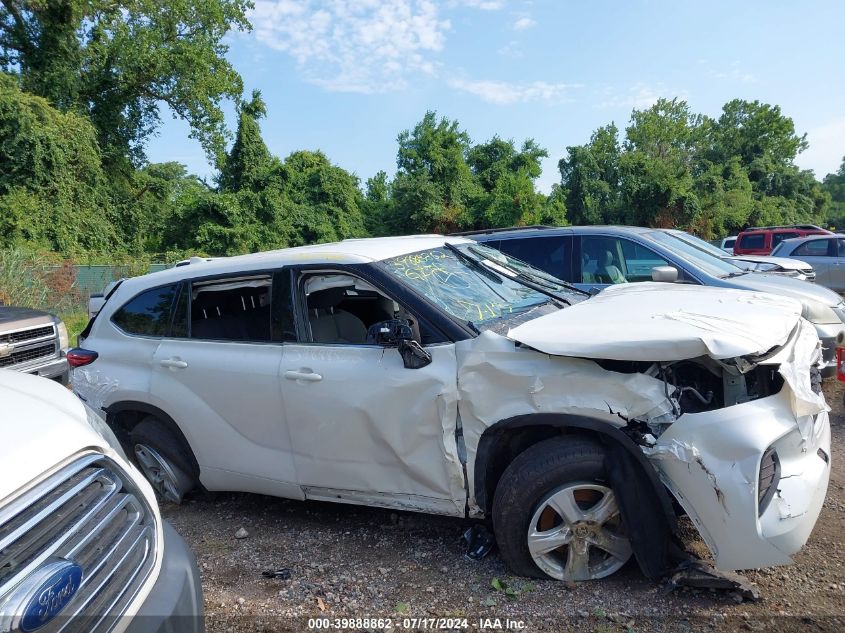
x,y
819,255
606,260
366,429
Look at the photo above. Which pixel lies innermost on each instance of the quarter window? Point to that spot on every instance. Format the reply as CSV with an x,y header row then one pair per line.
x,y
147,314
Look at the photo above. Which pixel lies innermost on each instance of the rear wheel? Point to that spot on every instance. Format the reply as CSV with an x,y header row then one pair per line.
x,y
555,515
161,458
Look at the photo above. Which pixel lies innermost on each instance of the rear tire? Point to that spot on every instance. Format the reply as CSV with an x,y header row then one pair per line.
x,y
163,460
555,515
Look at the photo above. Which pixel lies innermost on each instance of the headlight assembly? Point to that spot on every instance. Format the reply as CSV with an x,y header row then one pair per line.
x,y
818,313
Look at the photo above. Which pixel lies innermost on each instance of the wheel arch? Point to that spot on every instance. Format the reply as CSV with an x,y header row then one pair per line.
x,y
123,416
503,441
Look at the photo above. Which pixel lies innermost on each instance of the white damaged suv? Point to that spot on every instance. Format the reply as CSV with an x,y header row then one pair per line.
x,y
437,375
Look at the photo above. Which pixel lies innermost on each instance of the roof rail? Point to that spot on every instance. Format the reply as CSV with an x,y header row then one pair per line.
x,y
504,229
805,227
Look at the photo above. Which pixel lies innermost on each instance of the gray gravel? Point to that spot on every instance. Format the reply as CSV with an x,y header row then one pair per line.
x,y
348,561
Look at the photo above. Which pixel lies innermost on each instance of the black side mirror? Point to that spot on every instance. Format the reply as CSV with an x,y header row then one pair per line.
x,y
397,333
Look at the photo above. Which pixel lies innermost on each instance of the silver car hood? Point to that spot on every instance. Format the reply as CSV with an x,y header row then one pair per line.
x,y
787,287
664,322
785,263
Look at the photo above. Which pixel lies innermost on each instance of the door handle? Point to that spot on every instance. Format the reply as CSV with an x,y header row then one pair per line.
x,y
305,375
173,363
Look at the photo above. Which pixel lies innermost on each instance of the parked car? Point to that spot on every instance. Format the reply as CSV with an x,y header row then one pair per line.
x,y
437,375
595,257
727,244
762,240
826,253
753,263
83,547
33,342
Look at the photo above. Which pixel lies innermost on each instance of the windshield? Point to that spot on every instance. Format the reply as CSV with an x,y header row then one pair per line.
x,y
705,261
471,293
699,243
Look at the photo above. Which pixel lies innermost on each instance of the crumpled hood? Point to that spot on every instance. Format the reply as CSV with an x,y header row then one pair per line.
x,y
664,322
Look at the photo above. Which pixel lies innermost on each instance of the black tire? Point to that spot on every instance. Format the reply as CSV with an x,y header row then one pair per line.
x,y
528,480
152,438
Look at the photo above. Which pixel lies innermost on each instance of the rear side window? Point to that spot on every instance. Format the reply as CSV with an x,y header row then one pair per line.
x,y
729,243
550,254
147,314
232,309
753,240
813,248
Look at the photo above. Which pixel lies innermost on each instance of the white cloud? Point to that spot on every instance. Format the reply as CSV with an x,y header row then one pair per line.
x,y
354,45
484,5
505,93
524,23
639,96
512,49
827,148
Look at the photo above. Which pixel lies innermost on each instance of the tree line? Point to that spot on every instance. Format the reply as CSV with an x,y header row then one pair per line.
x,y
82,82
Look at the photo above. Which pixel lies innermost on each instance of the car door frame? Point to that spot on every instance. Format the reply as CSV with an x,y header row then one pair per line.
x,y
448,332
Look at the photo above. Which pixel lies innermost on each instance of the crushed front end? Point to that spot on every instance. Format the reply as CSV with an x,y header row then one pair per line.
x,y
746,451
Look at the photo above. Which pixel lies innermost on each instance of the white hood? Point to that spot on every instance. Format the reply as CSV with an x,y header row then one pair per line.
x,y
664,322
42,424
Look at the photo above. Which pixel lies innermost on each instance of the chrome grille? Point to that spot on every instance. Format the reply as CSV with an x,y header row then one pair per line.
x,y
90,514
46,331
29,355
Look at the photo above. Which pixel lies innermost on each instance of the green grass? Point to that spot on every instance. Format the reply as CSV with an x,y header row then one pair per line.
x,y
75,322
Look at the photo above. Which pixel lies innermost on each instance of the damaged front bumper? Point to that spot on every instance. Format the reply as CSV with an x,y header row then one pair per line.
x,y
711,462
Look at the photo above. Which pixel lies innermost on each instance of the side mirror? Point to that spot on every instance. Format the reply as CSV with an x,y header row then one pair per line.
x,y
666,274
397,333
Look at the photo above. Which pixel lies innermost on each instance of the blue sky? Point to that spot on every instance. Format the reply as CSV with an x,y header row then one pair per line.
x,y
346,76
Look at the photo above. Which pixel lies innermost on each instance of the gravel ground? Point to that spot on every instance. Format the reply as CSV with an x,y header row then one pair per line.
x,y
347,561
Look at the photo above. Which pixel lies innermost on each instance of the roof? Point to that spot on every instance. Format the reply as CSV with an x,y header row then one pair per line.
x,y
522,231
352,251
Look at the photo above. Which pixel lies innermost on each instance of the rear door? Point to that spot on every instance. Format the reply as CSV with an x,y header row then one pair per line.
x,y
820,255
218,377
752,244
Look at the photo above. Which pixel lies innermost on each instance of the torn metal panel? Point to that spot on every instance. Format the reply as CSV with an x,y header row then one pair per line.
x,y
643,322
498,380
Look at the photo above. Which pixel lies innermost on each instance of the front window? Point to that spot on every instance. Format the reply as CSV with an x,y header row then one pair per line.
x,y
471,293
614,260
706,262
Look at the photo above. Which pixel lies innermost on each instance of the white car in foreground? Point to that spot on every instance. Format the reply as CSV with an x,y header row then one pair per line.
x,y
82,545
434,374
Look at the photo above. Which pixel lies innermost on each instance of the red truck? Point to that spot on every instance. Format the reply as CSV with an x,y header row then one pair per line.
x,y
761,240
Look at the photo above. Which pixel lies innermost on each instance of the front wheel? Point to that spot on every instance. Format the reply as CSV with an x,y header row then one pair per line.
x,y
555,515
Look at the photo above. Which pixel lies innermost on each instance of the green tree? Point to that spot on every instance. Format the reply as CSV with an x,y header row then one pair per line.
x,y
834,186
247,163
377,206
117,61
53,192
590,178
506,177
434,188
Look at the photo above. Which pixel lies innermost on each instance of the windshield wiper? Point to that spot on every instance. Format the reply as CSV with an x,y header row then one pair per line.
x,y
532,278
735,274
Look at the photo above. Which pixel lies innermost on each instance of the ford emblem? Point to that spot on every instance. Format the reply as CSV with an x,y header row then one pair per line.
x,y
43,595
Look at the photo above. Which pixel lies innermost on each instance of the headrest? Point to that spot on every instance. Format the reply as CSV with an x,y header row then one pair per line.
x,y
607,258
325,299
